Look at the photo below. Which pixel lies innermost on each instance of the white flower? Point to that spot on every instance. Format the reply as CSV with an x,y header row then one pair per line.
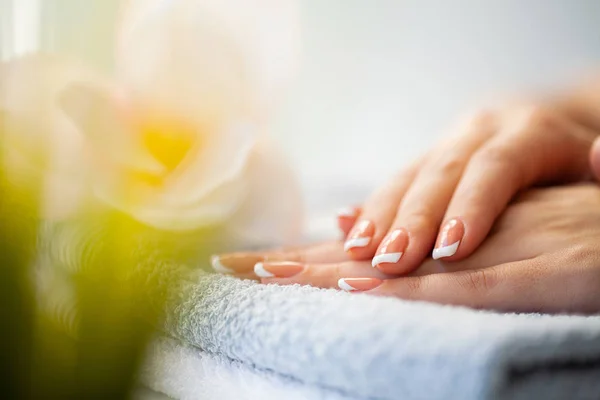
x,y
178,138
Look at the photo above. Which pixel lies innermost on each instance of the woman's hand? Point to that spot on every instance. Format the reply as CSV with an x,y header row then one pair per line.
x,y
457,191
543,254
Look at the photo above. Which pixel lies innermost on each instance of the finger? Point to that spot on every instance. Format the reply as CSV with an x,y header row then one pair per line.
x,y
243,262
377,215
500,169
346,218
347,275
537,284
498,249
317,275
412,233
341,275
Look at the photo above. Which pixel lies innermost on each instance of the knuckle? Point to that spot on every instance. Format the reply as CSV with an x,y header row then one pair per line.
x,y
495,155
537,117
450,165
391,190
498,159
476,201
293,255
414,286
477,120
502,160
334,271
422,219
481,281
482,120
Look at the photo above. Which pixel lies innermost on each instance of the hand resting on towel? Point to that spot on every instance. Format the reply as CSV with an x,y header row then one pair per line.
x,y
500,250
542,254
457,190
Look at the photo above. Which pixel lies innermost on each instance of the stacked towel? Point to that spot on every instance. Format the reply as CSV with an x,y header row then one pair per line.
x,y
187,373
358,346
324,344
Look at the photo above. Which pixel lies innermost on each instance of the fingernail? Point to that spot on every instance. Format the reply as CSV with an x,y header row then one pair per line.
x,y
284,269
347,212
391,249
449,239
360,236
358,284
218,266
346,217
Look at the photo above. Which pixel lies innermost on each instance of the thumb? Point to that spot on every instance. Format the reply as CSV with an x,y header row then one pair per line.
x,y
595,158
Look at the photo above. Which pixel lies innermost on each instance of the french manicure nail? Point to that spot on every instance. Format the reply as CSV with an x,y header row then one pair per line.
x,y
358,284
236,263
348,212
361,235
346,217
218,266
449,239
283,269
391,249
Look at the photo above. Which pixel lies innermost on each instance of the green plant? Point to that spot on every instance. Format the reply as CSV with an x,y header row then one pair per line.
x,y
99,357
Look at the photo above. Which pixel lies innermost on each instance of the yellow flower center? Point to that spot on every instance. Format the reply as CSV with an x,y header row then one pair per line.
x,y
168,141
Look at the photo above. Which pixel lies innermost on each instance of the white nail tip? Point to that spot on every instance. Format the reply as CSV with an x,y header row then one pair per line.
x,y
386,258
446,251
347,212
356,242
215,261
261,272
344,286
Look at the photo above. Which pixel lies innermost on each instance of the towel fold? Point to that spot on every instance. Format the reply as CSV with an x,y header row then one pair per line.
x,y
186,373
384,348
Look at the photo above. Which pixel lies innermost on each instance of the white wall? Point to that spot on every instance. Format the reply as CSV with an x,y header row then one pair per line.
x,y
382,79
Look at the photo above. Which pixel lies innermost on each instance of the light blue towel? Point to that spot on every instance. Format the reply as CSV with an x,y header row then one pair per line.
x,y
382,348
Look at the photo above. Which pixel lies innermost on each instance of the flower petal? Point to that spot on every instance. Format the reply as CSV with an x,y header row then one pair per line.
x,y
216,65
38,134
272,213
179,59
221,158
96,111
214,209
238,52
206,189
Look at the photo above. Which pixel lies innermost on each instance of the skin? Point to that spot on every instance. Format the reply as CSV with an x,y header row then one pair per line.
x,y
475,174
473,177
476,177
594,163
554,266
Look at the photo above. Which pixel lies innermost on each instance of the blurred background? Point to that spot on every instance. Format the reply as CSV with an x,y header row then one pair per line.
x,y
381,80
